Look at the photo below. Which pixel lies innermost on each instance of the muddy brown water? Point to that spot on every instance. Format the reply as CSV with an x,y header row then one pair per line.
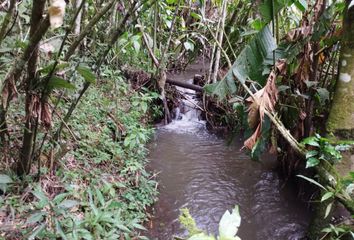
x,y
201,172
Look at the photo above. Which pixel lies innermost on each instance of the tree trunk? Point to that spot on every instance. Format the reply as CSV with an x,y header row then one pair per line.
x,y
341,118
24,163
78,19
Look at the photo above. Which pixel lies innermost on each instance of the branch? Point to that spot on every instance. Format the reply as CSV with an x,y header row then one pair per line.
x,y
87,29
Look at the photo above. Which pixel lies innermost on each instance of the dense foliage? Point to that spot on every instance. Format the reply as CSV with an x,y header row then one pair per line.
x,y
82,81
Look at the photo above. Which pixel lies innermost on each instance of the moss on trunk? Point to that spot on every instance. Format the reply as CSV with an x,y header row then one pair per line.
x,y
341,118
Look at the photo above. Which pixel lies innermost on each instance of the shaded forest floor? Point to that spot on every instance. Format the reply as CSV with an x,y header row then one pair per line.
x,y
98,187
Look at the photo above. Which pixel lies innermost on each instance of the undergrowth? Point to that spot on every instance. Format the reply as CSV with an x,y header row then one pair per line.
x,y
100,189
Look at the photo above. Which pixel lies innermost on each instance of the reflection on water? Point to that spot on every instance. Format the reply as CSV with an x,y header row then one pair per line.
x,y
199,171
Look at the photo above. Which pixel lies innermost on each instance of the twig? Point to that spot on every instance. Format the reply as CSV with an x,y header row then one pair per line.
x,y
65,124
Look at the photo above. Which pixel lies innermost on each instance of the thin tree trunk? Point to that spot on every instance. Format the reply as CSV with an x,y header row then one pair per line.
x,y
220,40
78,19
87,29
24,163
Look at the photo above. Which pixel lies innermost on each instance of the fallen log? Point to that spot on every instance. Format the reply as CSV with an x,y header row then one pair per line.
x,y
185,85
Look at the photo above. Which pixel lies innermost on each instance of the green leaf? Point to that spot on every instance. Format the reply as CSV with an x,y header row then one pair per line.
x,y
311,181
67,204
301,5
86,73
59,230
222,88
36,231
35,217
43,199
136,46
331,150
139,226
57,82
5,179
193,15
253,59
326,196
122,227
312,141
328,209
311,153
47,69
266,9
189,46
229,223
323,95
312,162
100,197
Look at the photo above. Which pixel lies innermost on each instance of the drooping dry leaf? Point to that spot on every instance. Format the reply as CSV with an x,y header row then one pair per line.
x,y
33,107
305,66
264,99
56,13
251,141
46,116
9,91
253,115
301,32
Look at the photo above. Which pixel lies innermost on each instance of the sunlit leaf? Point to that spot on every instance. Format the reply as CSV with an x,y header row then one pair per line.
x,y
328,209
312,141
230,223
326,196
312,162
301,5
311,153
312,181
189,46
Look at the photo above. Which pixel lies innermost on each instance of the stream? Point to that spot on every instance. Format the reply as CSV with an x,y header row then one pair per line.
x,y
202,172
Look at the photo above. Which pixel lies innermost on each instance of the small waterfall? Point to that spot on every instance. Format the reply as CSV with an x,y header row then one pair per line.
x,y
187,115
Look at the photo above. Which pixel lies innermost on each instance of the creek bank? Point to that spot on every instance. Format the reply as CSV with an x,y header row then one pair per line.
x,y
100,189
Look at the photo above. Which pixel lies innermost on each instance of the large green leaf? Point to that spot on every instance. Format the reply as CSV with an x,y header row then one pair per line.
x,y
252,63
222,88
266,8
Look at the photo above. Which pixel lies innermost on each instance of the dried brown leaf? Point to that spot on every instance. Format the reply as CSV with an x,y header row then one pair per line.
x,y
9,91
251,141
46,116
264,99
